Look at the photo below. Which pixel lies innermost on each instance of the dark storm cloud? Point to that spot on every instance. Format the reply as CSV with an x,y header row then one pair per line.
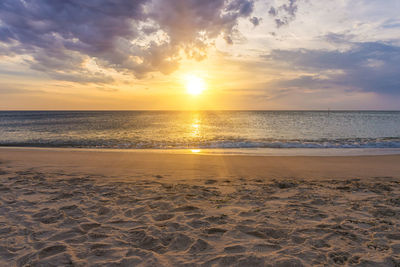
x,y
123,35
371,67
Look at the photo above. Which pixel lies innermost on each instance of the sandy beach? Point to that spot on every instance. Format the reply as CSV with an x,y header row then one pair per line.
x,y
191,133
86,208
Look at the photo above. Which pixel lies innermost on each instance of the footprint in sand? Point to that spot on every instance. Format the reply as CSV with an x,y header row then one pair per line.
x,y
68,234
88,226
339,257
200,246
215,231
163,217
48,216
198,224
52,250
180,242
103,211
265,247
73,211
235,249
186,209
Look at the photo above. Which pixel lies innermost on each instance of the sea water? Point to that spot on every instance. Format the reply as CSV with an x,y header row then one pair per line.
x,y
221,130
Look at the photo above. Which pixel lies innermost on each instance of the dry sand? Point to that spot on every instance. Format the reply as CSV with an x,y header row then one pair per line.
x,y
74,208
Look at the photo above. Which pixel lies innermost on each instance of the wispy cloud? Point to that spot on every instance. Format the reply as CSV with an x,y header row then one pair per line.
x,y
371,67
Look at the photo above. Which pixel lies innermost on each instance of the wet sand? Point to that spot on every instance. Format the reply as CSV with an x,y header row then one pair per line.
x,y
83,208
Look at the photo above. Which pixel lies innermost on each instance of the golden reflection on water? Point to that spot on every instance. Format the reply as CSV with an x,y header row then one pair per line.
x,y
196,125
195,129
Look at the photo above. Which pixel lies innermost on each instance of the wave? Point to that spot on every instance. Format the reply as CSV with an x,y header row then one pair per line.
x,y
390,142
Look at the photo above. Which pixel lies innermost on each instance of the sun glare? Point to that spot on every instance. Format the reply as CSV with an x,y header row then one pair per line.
x,y
194,85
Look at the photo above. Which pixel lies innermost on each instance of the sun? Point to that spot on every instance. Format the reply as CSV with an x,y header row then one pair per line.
x,y
194,85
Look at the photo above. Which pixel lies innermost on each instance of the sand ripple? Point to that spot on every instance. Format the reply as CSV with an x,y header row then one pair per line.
x,y
60,220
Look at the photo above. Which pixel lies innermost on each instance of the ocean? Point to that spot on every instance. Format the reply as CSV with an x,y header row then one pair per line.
x,y
201,129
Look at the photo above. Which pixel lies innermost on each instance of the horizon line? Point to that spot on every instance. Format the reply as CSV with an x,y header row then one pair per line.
x,y
175,110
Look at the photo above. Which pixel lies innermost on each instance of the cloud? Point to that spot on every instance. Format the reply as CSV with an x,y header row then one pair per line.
x,y
369,67
11,90
391,24
284,14
255,21
128,36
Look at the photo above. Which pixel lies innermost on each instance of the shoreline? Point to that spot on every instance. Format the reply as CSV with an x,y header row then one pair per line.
x,y
279,152
197,165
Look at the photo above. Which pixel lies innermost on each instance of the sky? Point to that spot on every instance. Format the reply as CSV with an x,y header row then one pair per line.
x,y
250,54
